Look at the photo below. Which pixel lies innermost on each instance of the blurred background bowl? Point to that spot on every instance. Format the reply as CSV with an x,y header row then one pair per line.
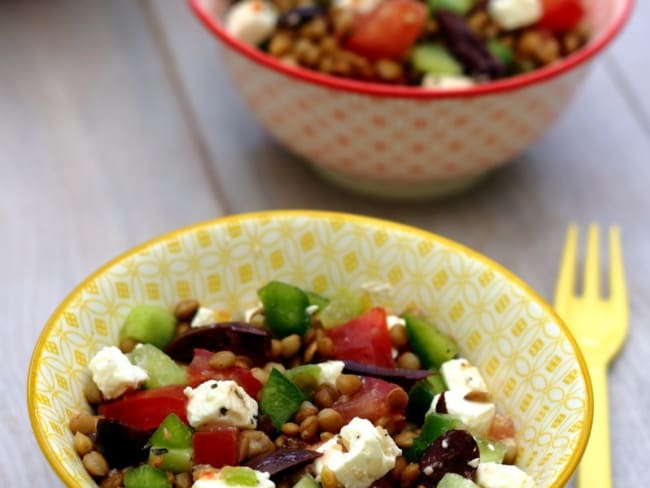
x,y
400,142
530,361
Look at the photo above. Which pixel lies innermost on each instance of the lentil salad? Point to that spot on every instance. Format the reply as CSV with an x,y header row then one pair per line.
x,y
290,397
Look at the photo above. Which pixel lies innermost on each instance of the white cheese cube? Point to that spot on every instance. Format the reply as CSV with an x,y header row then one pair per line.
x,y
477,416
493,475
329,371
433,80
360,454
213,478
460,375
203,316
514,14
251,21
393,320
220,402
113,373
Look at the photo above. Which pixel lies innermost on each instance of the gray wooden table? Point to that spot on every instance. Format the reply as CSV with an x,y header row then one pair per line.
x,y
117,124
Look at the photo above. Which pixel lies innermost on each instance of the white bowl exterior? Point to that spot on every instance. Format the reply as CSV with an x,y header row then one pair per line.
x,y
528,362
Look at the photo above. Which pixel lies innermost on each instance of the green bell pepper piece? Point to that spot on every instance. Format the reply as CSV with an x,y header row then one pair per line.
x,y
285,308
280,398
171,443
149,324
146,476
435,424
432,346
162,369
239,475
421,395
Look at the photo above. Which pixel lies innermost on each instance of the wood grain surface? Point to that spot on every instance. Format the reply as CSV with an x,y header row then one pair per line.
x,y
118,123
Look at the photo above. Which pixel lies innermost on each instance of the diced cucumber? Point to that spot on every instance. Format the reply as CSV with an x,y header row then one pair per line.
x,y
149,324
306,481
502,52
280,398
453,480
435,424
162,369
460,7
490,451
344,307
285,308
435,58
146,476
306,377
432,346
421,395
239,475
171,445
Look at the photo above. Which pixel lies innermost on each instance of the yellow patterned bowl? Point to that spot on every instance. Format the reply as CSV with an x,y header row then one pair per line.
x,y
527,355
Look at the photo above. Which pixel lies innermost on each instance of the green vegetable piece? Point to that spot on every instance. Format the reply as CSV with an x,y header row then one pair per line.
x,y
453,480
280,398
490,451
421,395
436,59
432,346
306,377
435,424
344,307
239,475
172,443
460,7
306,481
162,369
149,324
146,476
285,308
502,52
309,369
316,299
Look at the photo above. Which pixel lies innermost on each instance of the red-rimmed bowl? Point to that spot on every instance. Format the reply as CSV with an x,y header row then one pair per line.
x,y
403,142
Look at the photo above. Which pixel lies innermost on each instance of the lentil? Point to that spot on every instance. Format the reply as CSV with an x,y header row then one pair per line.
x,y
398,336
82,443
291,345
325,395
185,309
222,359
127,345
408,360
92,393
325,347
183,480
95,464
115,479
410,474
84,423
348,384
329,420
309,428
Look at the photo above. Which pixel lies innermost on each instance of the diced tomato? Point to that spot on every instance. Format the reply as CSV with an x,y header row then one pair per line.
x,y
370,402
199,370
364,339
561,15
502,428
389,30
216,447
146,409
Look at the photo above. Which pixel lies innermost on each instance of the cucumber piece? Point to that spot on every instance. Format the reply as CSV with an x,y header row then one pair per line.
x,y
239,476
285,308
453,480
162,369
146,476
171,446
432,346
490,451
435,58
280,398
459,7
435,424
306,481
149,324
421,395
344,307
502,52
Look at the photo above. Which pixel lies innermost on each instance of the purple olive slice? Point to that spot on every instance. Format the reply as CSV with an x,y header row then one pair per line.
x,y
282,460
120,444
238,337
455,451
400,376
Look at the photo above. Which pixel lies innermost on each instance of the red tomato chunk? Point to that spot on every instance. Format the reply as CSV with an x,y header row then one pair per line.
x,y
561,15
217,447
370,402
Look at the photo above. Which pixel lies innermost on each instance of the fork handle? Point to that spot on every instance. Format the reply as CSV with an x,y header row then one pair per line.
x,y
595,469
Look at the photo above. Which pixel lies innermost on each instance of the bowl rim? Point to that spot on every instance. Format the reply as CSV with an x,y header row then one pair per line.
x,y
36,357
397,91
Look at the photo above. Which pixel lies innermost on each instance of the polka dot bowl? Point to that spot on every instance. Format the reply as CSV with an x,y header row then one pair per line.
x,y
527,356
405,143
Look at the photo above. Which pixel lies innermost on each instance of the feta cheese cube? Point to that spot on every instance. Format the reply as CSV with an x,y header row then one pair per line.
x,y
360,454
113,373
329,371
494,475
460,375
251,21
514,14
203,316
220,402
477,416
433,80
393,320
216,478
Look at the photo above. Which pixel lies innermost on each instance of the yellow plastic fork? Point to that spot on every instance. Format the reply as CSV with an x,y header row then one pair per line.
x,y
600,325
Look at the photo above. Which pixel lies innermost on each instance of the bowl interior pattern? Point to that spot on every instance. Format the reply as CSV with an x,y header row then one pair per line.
x,y
529,360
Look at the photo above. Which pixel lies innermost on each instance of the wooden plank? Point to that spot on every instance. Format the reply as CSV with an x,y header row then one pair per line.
x,y
95,156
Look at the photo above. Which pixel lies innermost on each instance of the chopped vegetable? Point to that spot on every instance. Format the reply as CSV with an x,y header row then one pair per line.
x,y
146,476
161,369
285,308
216,447
240,476
149,324
459,7
120,444
455,451
371,401
421,395
344,307
432,346
200,370
491,451
561,15
280,398
453,480
171,446
306,481
400,376
435,58
435,425
282,459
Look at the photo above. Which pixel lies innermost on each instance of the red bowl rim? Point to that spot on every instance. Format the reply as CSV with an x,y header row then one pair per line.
x,y
377,89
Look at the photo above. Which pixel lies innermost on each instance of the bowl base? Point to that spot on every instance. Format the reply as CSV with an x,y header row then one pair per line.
x,y
407,191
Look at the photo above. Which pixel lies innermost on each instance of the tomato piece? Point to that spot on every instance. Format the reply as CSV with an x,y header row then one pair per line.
x,y
389,30
199,370
216,447
371,401
502,428
146,409
364,339
561,15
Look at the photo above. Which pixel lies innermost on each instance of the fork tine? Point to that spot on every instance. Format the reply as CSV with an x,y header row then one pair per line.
x,y
617,288
567,273
592,263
